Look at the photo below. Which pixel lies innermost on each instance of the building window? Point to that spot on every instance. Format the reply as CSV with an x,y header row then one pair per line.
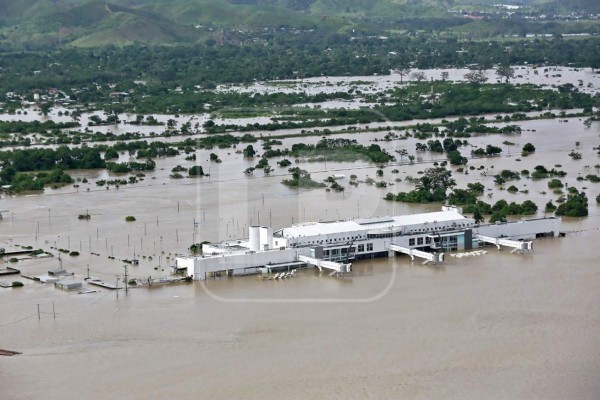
x,y
419,241
411,242
361,248
369,246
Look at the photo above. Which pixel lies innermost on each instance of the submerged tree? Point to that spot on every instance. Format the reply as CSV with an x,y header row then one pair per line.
x,y
506,72
575,206
476,77
249,151
402,70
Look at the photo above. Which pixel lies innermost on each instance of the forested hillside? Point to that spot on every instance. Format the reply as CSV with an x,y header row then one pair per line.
x,y
39,24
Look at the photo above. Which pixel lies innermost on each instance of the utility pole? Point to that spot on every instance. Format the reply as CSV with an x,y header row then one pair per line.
x,y
117,287
88,271
126,287
53,310
38,308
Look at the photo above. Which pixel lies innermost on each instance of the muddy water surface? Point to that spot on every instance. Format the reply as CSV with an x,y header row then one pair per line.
x,y
499,326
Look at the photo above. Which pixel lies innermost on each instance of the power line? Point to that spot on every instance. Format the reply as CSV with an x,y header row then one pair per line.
x,y
20,320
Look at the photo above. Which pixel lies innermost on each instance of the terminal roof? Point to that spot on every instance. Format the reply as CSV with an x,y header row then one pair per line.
x,y
370,224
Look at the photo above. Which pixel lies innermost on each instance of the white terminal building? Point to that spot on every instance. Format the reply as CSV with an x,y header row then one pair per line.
x,y
332,244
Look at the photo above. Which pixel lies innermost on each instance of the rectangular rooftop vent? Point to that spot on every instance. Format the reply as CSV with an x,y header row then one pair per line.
x,y
376,220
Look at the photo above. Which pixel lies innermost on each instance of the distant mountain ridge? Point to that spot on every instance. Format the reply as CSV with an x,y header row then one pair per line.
x,y
38,23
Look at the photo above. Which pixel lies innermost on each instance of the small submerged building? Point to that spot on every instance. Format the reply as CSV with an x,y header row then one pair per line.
x,y
332,244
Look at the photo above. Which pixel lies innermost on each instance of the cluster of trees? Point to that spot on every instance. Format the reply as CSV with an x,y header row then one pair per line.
x,y
304,119
500,210
468,199
157,149
124,167
435,182
196,170
541,172
528,148
117,182
288,56
220,141
339,149
490,150
120,69
64,157
474,125
506,175
465,99
449,145
466,196
301,179
430,187
576,204
27,127
24,182
335,185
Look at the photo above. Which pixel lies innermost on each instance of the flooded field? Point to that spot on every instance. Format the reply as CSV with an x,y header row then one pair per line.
x,y
499,325
585,79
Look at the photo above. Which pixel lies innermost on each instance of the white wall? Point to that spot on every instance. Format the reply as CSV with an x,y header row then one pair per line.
x,y
520,229
266,238
199,266
185,262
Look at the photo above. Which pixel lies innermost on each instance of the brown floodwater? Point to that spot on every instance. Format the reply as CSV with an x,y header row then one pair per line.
x,y
499,326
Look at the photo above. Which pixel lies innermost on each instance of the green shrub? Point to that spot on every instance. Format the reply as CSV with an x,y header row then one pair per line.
x,y
555,184
196,170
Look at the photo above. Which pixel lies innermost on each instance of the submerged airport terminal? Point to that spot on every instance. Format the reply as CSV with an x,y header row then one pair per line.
x,y
332,245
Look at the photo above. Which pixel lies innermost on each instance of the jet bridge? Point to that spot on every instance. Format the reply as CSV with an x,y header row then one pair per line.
x,y
517,245
336,267
429,257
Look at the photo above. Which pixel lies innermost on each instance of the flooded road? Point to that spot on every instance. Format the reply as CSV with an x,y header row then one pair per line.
x,y
499,326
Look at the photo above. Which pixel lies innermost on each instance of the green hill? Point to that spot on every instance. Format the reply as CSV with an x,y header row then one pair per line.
x,y
32,24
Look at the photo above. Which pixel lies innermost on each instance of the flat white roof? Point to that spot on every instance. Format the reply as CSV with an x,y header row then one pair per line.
x,y
370,224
